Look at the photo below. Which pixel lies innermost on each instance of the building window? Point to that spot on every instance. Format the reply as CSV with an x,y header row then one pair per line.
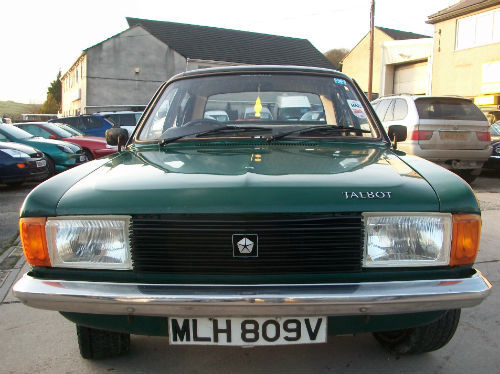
x,y
479,29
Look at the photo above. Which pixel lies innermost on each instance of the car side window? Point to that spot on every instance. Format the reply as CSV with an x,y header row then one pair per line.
x,y
36,131
72,121
389,115
381,108
91,123
3,137
400,109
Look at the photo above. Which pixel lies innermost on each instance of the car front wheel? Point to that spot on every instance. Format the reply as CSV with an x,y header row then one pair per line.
x,y
97,344
421,339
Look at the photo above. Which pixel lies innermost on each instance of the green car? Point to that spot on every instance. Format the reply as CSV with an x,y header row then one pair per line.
x,y
255,232
60,155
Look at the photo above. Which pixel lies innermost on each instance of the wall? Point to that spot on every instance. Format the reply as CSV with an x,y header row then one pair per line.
x,y
397,52
459,72
356,63
74,88
127,69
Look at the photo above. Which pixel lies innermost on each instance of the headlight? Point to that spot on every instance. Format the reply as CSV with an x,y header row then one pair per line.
x,y
65,148
15,153
89,242
407,240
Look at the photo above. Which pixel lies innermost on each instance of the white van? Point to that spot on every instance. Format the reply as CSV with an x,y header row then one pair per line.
x,y
292,107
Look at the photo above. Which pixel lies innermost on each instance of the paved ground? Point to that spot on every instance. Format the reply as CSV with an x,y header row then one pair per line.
x,y
37,341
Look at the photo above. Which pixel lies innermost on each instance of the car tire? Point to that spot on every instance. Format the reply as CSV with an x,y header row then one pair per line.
x,y
51,166
466,175
89,155
96,344
421,339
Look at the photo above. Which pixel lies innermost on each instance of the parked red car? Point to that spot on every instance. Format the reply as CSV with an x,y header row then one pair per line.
x,y
93,146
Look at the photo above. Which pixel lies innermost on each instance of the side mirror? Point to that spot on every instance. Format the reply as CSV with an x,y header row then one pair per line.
x,y
397,133
117,136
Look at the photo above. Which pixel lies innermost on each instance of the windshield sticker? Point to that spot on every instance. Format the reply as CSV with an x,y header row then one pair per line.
x,y
357,108
339,81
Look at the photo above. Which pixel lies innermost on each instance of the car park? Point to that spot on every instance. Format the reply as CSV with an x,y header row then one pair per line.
x,y
218,115
91,125
450,131
92,146
20,163
264,114
60,155
254,233
313,116
96,124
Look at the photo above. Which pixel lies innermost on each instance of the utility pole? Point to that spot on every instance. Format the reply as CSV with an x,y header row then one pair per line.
x,y
370,63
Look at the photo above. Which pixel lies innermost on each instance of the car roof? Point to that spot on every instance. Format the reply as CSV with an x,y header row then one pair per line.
x,y
417,97
257,69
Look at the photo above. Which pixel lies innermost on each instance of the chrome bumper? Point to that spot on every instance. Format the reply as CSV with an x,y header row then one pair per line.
x,y
252,300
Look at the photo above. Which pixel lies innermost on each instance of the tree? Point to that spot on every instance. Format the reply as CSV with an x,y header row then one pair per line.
x,y
53,102
335,56
50,106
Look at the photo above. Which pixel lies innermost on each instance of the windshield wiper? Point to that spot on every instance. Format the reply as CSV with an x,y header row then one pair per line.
x,y
202,126
302,130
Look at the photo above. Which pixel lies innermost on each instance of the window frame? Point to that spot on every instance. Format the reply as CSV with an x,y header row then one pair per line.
x,y
477,40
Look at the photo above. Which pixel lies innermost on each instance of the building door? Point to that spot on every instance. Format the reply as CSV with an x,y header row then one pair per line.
x,y
410,78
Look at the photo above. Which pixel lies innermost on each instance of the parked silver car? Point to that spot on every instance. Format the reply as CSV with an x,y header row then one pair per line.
x,y
450,131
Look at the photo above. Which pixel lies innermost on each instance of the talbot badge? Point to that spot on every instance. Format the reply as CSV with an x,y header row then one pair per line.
x,y
367,195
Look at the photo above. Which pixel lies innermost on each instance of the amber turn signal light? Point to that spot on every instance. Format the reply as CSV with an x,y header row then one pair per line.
x,y
32,232
465,242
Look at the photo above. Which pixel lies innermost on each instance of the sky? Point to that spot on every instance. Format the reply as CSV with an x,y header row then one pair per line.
x,y
39,38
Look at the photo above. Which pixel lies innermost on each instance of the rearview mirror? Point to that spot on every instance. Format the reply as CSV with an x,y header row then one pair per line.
x,y
117,136
397,133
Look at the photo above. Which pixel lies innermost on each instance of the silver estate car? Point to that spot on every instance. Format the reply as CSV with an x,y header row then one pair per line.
x,y
450,131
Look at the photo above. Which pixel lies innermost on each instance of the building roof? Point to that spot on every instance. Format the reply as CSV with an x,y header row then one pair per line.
x,y
393,34
216,44
461,8
401,35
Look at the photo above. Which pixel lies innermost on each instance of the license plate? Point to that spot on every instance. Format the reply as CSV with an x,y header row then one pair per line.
x,y
247,331
41,163
453,135
83,158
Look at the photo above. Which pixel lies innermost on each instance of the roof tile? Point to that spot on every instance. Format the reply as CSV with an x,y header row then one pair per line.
x,y
217,44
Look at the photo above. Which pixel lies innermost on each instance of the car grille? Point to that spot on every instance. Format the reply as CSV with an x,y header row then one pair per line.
x,y
287,243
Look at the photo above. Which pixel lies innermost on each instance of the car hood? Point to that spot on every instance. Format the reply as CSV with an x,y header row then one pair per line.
x,y
20,147
272,179
39,142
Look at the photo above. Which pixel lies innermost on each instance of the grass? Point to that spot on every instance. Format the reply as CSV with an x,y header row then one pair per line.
x,y
13,110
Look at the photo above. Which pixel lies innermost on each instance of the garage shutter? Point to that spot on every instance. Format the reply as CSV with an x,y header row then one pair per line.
x,y
410,78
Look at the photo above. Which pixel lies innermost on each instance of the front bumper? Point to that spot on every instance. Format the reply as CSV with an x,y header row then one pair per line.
x,y
197,300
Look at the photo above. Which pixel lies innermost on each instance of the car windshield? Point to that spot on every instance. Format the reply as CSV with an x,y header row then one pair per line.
x,y
15,132
258,101
70,129
58,130
448,108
